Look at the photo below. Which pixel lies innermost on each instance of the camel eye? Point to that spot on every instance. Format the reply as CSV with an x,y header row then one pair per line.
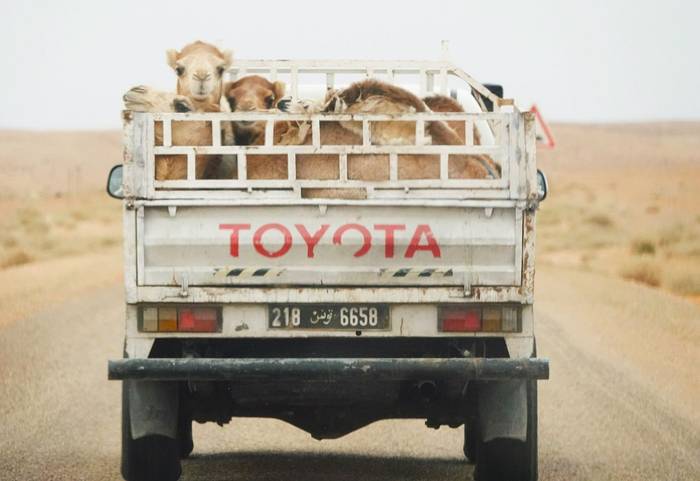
x,y
179,70
269,101
220,70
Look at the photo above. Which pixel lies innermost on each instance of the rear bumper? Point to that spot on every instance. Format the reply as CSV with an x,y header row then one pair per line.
x,y
330,369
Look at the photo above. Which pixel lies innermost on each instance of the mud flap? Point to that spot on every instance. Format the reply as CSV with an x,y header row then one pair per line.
x,y
153,407
503,410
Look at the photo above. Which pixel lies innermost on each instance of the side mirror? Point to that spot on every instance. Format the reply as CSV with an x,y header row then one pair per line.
x,y
542,185
115,186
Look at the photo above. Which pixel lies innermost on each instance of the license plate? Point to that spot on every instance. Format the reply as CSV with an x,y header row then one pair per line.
x,y
355,317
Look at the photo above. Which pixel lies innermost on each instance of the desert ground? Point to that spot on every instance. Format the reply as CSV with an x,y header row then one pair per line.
x,y
618,315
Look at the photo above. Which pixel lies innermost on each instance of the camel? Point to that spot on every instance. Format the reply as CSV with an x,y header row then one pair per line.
x,y
369,96
374,96
200,67
184,133
442,103
254,94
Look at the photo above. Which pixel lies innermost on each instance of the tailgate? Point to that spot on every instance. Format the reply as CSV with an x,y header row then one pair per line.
x,y
333,245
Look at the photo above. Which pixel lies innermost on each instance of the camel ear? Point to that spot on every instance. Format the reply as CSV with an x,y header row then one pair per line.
x,y
231,102
171,55
278,88
227,88
228,58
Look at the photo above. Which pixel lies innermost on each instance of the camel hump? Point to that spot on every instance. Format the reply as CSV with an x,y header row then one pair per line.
x,y
364,89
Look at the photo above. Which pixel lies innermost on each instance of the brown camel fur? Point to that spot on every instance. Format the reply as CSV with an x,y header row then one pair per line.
x,y
199,68
442,103
187,133
369,96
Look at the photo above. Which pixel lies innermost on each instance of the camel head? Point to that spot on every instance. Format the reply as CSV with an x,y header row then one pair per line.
x,y
252,94
200,67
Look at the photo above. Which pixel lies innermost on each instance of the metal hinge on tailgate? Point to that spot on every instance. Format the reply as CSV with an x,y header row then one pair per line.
x,y
467,281
467,285
184,285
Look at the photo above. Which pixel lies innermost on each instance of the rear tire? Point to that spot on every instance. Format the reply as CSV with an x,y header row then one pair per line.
x,y
184,437
151,458
510,459
470,439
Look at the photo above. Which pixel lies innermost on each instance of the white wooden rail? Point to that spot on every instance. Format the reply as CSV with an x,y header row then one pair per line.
x,y
501,152
391,69
507,150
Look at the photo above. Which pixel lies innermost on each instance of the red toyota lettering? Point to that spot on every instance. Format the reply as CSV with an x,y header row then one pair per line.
x,y
430,242
286,245
389,230
235,229
311,239
366,237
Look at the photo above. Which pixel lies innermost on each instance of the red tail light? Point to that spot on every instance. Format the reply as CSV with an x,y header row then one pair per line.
x,y
460,319
198,319
180,319
479,318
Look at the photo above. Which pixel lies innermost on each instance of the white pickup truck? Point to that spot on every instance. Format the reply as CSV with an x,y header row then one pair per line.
x,y
244,298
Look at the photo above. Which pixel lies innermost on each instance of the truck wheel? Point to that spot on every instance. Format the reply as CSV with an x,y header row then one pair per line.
x,y
184,437
510,459
470,437
151,458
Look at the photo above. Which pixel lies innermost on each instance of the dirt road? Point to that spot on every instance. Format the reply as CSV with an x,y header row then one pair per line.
x,y
621,404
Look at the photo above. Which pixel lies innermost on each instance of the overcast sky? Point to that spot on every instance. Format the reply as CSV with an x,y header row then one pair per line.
x,y
66,64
